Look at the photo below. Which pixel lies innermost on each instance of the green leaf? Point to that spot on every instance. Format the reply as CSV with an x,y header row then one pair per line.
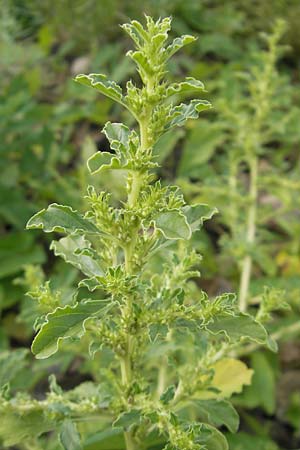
x,y
66,247
239,326
103,85
216,441
199,147
117,134
65,323
197,214
101,161
181,113
110,439
168,394
173,225
69,436
262,391
62,219
178,43
187,86
17,250
16,428
11,362
128,418
218,413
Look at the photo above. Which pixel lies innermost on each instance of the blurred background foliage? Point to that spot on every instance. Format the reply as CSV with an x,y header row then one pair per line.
x,y
49,126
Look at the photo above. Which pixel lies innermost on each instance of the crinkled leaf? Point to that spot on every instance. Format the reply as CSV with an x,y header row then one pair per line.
x,y
239,326
65,323
197,214
66,248
218,413
178,43
173,225
91,283
128,418
101,161
181,113
102,84
62,219
187,86
69,436
117,134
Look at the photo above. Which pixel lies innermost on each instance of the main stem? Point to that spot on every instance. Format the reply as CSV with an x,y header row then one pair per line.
x,y
126,360
250,237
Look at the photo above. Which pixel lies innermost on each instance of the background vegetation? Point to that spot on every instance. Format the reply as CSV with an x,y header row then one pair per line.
x,y
49,125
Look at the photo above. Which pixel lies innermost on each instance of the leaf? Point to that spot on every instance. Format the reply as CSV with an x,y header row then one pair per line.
x,y
168,394
218,413
197,214
187,86
178,43
239,326
199,147
181,113
66,247
262,391
16,428
216,441
62,219
101,161
64,323
173,225
117,134
230,375
11,362
69,436
128,418
17,250
102,84
110,439
245,441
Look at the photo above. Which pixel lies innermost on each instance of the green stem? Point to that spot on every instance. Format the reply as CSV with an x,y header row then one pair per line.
x,y
250,237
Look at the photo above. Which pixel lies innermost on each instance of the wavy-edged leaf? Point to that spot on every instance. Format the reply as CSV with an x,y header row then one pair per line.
x,y
217,413
230,375
173,225
197,214
181,113
100,82
178,43
117,134
66,248
187,86
64,323
62,219
69,436
239,326
102,161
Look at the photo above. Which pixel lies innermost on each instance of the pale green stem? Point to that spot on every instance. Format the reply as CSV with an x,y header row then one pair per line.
x,y
126,360
250,237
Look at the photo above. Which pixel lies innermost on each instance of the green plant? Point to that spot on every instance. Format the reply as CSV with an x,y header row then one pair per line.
x,y
163,369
